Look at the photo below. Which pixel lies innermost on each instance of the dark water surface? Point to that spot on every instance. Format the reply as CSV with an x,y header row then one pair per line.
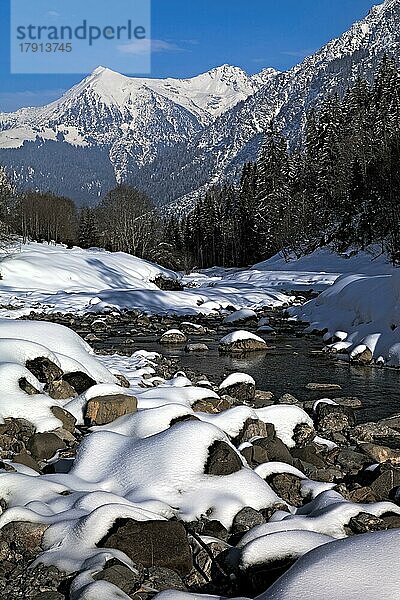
x,y
288,366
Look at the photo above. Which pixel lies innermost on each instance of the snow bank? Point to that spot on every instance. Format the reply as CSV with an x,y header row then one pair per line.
x,y
150,465
54,268
278,546
118,476
327,514
316,271
56,279
360,567
359,312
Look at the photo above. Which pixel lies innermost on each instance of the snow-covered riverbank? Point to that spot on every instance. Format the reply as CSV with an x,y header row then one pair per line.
x,y
49,278
361,316
55,279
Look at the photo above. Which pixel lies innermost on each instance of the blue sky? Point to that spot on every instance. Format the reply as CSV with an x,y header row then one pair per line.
x,y
192,36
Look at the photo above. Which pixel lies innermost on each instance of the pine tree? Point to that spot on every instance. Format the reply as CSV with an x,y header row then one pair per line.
x,y
88,235
273,192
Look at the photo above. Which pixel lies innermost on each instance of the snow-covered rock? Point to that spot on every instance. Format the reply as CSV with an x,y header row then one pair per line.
x,y
22,342
240,316
241,341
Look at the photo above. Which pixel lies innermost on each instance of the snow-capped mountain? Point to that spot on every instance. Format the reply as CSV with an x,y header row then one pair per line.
x,y
173,136
133,117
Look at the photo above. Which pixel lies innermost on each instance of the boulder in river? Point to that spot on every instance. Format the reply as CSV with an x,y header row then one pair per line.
x,y
240,316
361,355
196,348
240,342
317,387
173,336
192,328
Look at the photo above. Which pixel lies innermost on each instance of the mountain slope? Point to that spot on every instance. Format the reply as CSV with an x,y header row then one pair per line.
x,y
235,136
134,118
172,137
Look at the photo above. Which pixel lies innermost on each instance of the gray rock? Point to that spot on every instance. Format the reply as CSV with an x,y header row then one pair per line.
x,y
212,405
193,329
325,474
209,527
264,398
105,409
122,380
43,446
376,433
288,399
381,454
203,571
152,543
196,348
161,579
80,381
60,390
349,401
65,417
242,346
222,460
174,336
267,449
246,519
27,387
351,461
393,422
334,418
363,358
23,458
23,537
128,580
391,521
317,387
303,434
385,484
253,428
243,391
287,487
44,369
309,454
19,580
364,522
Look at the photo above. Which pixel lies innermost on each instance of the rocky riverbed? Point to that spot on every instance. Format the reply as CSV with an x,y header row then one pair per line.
x,y
256,463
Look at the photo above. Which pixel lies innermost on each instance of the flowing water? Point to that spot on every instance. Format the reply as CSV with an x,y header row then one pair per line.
x,y
287,366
